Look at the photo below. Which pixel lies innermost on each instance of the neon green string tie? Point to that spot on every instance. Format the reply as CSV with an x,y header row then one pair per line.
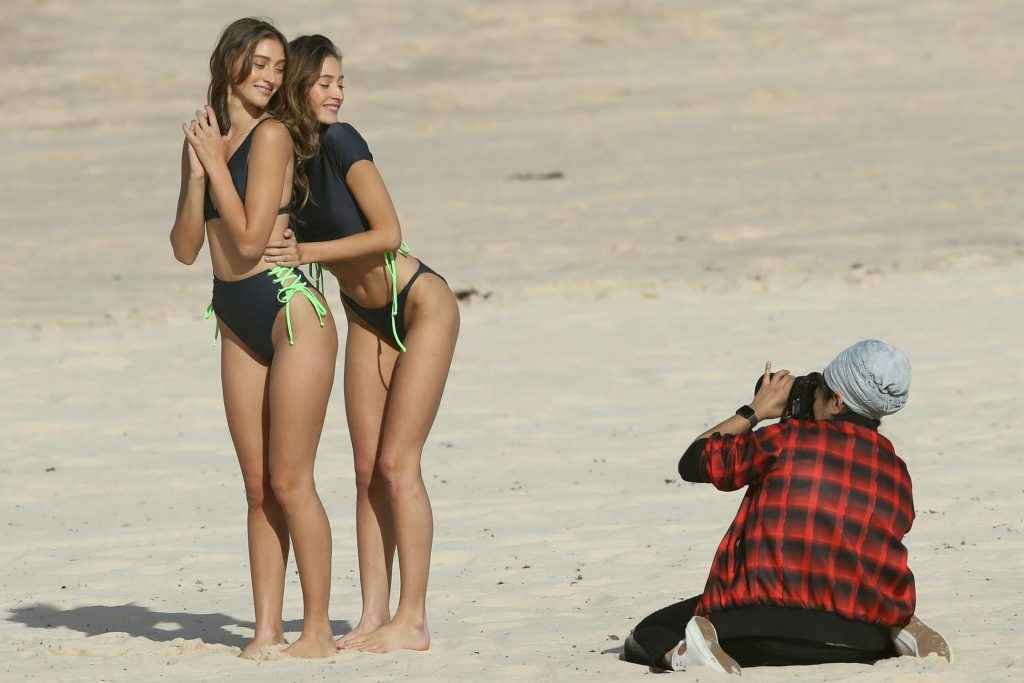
x,y
392,271
216,327
290,284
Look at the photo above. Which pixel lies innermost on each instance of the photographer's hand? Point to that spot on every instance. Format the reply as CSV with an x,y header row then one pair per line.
x,y
770,401
768,404
732,463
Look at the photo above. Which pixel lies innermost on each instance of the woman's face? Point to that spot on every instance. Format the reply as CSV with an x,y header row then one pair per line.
x,y
266,76
327,94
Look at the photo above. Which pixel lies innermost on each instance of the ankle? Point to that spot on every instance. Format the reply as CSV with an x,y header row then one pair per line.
x,y
375,617
268,634
414,621
317,628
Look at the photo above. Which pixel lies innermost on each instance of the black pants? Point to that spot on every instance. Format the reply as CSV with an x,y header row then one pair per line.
x,y
662,631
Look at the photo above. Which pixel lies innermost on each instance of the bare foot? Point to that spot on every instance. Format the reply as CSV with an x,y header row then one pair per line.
x,y
393,636
312,647
364,628
258,646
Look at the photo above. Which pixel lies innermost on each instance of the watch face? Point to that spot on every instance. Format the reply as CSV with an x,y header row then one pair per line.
x,y
745,411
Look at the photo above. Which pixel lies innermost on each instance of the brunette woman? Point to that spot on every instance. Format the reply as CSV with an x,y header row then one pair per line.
x,y
403,322
279,340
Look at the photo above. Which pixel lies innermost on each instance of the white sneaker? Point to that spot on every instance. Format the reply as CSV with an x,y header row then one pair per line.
x,y
701,648
918,639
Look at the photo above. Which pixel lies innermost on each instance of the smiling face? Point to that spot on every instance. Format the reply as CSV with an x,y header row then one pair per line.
x,y
328,92
264,79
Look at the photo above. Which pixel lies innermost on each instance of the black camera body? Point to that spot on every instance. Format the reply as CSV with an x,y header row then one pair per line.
x,y
800,404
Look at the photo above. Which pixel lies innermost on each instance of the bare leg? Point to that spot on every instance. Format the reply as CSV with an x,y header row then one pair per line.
x,y
368,367
301,376
413,399
244,380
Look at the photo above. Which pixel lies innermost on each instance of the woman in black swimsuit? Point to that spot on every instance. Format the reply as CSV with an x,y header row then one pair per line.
x,y
276,370
403,322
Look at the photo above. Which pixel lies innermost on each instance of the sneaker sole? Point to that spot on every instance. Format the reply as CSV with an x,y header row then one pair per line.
x,y
703,639
918,639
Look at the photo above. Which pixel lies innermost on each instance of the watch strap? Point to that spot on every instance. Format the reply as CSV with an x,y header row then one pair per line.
x,y
748,413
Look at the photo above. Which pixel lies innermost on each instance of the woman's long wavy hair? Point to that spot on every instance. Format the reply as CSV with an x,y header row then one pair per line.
x,y
306,55
231,63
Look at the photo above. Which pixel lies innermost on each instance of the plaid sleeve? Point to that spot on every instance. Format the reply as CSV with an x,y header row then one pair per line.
x,y
906,519
734,461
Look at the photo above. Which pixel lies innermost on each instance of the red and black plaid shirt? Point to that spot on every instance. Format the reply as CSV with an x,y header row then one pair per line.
x,y
821,525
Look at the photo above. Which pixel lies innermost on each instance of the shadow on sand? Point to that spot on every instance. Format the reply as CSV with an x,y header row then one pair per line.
x,y
136,620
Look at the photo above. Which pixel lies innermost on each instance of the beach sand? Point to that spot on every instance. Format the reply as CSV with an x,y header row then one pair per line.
x,y
738,182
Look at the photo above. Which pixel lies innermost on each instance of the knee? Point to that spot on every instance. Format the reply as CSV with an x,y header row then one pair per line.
x,y
364,474
290,488
257,492
399,474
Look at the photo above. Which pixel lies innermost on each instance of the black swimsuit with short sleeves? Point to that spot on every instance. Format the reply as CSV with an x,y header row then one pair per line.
x,y
331,213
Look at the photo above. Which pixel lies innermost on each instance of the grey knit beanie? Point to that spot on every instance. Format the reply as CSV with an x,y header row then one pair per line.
x,y
872,377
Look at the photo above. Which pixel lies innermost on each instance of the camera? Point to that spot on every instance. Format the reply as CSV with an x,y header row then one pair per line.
x,y
800,403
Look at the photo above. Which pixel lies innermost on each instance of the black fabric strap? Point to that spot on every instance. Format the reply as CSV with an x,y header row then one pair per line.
x,y
748,414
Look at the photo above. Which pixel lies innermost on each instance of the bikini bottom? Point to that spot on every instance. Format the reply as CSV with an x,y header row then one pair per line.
x,y
250,306
388,321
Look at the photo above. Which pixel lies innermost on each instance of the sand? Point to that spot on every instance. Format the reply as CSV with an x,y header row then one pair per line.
x,y
739,181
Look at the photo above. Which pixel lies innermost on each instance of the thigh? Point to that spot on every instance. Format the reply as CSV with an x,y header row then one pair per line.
x,y
301,378
781,652
369,364
421,372
244,382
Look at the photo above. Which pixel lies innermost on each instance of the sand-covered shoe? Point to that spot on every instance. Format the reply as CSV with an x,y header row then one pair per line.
x,y
701,647
918,639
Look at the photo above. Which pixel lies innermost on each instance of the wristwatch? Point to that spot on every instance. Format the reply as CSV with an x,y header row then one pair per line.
x,y
748,413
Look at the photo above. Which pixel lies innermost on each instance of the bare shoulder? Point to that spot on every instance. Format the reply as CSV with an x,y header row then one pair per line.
x,y
272,134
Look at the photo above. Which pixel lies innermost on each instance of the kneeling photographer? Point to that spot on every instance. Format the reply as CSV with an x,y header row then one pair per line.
x,y
813,568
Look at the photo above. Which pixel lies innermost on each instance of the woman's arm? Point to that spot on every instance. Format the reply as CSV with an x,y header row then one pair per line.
x,y
385,233
248,224
189,230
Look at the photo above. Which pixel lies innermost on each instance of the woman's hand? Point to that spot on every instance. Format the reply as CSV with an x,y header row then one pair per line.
x,y
770,401
285,252
205,139
195,167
